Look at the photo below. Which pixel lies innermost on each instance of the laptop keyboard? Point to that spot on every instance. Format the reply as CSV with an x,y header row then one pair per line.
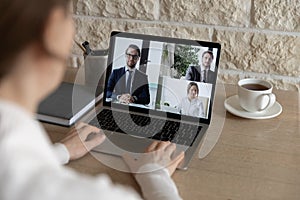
x,y
144,126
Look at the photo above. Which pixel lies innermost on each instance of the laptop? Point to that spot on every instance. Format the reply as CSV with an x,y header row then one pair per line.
x,y
168,99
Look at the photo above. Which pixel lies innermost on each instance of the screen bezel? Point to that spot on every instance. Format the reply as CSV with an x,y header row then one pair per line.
x,y
115,34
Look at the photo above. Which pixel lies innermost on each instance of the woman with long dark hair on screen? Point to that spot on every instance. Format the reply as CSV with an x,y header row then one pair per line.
x,y
36,38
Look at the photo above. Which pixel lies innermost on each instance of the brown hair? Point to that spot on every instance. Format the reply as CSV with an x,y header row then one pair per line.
x,y
190,85
210,53
22,22
135,47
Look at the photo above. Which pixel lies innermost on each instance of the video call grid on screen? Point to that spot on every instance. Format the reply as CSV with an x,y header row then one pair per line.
x,y
161,60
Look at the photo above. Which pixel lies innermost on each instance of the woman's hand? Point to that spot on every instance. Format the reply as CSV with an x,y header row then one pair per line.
x,y
81,139
159,153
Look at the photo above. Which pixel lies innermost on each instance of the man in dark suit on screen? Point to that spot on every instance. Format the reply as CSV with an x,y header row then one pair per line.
x,y
128,84
202,73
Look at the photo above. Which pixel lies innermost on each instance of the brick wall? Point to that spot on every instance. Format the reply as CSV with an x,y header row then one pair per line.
x,y
259,38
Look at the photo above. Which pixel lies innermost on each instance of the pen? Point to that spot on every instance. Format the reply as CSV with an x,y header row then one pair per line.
x,y
80,46
86,45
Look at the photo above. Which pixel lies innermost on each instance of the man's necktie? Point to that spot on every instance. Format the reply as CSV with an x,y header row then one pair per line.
x,y
205,76
128,83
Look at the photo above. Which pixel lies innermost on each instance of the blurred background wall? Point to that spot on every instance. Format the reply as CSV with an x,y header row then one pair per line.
x,y
259,38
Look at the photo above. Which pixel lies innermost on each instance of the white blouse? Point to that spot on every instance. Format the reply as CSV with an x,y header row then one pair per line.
x,y
191,108
31,168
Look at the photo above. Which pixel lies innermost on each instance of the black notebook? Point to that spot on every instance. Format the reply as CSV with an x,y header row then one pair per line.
x,y
67,104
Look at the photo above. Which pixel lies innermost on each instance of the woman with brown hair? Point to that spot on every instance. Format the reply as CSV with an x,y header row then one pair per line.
x,y
36,38
191,105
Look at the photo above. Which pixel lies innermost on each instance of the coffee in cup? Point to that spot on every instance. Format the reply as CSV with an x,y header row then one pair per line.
x,y
255,95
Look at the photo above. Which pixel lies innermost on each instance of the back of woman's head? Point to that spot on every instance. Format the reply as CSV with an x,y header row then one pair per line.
x,y
22,22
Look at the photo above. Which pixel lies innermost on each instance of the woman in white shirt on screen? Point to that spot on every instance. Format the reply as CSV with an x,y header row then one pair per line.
x,y
36,39
191,105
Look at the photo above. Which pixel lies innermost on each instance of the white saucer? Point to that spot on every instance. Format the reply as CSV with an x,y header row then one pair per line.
x,y
232,105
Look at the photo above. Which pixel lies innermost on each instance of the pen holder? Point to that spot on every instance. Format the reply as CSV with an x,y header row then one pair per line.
x,y
95,64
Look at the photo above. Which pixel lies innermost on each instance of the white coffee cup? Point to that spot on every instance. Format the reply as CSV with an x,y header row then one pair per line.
x,y
255,95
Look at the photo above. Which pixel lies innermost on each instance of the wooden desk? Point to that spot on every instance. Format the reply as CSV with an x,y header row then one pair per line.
x,y
253,159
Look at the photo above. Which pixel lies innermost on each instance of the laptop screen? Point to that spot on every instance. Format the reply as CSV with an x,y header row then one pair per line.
x,y
161,75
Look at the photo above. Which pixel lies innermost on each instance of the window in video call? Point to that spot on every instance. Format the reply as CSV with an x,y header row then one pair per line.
x,y
168,77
